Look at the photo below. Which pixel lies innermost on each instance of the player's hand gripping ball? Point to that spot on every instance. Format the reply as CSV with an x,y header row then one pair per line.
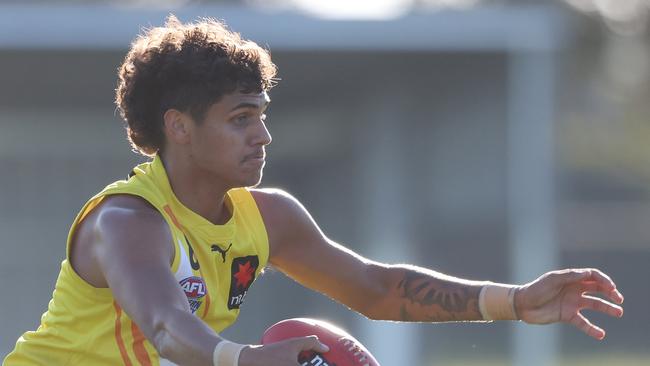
x,y
344,349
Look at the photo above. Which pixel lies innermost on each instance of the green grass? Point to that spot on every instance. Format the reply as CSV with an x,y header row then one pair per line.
x,y
614,359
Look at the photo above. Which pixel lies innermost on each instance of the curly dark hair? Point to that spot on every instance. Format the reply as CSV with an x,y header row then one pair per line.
x,y
187,67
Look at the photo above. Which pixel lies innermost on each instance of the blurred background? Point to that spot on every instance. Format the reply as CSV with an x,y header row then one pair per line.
x,y
484,139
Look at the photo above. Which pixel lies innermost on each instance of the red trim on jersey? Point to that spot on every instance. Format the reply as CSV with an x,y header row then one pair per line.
x,y
207,303
138,347
118,334
173,217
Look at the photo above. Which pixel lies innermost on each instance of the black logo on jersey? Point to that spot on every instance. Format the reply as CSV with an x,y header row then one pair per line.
x,y
242,276
193,261
216,248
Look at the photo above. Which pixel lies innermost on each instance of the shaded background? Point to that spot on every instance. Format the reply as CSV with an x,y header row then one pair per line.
x,y
487,140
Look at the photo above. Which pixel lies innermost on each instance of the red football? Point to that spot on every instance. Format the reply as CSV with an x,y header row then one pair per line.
x,y
344,349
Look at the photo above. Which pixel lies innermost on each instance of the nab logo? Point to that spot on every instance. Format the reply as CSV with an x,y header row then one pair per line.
x,y
242,276
194,289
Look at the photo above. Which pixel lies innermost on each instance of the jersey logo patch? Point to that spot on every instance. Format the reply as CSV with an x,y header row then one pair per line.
x,y
195,289
243,274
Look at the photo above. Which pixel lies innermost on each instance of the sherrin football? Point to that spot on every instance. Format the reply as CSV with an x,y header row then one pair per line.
x,y
344,349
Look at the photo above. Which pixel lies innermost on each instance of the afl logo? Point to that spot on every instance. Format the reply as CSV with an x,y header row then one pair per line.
x,y
194,288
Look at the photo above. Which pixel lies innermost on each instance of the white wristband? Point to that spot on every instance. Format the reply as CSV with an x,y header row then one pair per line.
x,y
497,302
226,353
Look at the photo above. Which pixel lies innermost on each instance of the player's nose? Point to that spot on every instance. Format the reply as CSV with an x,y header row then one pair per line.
x,y
262,135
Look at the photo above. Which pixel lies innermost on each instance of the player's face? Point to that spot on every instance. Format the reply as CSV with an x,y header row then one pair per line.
x,y
230,142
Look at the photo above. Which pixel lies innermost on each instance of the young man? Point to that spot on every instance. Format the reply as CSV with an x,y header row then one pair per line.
x,y
158,265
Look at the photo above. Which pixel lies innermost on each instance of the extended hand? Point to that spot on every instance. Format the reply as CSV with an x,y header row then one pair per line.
x,y
284,353
559,296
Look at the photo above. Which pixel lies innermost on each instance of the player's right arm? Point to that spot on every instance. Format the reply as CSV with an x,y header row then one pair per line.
x,y
129,245
126,245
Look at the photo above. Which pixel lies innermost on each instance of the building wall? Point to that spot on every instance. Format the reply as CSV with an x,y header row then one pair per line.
x,y
62,141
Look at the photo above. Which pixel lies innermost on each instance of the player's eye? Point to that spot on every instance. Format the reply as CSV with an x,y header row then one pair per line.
x,y
241,119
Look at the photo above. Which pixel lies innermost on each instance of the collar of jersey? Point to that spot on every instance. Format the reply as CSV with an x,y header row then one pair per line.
x,y
197,224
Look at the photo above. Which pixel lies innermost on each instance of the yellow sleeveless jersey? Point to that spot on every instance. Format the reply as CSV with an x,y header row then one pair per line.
x,y
213,264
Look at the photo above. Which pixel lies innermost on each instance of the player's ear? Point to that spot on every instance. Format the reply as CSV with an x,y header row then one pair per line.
x,y
176,126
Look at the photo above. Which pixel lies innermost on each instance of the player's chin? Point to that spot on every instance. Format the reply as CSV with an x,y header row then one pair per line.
x,y
253,179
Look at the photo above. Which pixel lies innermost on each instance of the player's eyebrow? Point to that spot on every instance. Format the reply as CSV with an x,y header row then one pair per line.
x,y
251,105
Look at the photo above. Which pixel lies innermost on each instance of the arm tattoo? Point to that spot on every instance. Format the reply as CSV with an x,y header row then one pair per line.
x,y
426,298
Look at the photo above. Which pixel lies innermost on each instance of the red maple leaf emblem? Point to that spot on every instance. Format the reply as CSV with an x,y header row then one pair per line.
x,y
245,275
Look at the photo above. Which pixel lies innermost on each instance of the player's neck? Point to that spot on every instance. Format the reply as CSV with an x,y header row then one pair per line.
x,y
198,192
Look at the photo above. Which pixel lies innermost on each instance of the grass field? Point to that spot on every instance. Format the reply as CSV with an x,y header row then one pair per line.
x,y
615,359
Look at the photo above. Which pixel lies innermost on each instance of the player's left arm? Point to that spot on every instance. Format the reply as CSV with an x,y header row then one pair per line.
x,y
380,291
299,249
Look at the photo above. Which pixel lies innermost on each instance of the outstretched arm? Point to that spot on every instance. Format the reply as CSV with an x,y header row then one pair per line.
x,y
409,293
558,296
379,291
415,294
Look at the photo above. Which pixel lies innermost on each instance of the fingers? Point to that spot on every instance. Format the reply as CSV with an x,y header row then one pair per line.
x,y
608,287
596,287
311,343
604,284
285,352
587,327
598,304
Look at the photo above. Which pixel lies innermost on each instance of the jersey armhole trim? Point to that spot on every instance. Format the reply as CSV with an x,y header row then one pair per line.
x,y
93,203
249,204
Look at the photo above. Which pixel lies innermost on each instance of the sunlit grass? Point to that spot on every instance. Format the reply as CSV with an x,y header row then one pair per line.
x,y
614,359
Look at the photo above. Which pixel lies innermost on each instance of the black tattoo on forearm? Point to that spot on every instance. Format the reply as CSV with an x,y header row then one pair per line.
x,y
431,299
